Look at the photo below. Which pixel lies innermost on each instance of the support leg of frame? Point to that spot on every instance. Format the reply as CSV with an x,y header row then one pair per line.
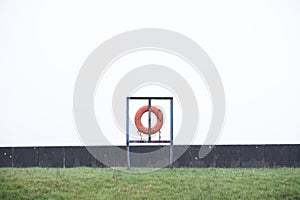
x,y
127,133
171,133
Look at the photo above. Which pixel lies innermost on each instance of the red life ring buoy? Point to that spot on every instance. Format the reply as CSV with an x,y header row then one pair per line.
x,y
138,121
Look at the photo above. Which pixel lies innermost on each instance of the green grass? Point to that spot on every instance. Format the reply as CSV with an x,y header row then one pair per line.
x,y
184,183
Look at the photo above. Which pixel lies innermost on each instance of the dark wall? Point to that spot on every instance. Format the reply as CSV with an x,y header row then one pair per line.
x,y
220,156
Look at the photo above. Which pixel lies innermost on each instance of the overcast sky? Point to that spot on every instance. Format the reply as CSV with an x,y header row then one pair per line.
x,y
254,45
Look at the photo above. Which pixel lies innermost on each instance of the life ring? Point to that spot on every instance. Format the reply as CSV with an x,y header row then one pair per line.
x,y
138,121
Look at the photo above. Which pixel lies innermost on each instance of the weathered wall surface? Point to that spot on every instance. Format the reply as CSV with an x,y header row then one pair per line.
x,y
220,156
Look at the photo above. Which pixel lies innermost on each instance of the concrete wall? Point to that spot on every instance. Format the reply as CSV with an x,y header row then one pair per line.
x,y
220,156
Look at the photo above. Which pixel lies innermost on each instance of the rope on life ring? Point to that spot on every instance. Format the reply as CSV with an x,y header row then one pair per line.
x,y
138,121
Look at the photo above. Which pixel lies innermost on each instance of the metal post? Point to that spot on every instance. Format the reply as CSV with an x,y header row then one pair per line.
x,y
171,133
127,133
149,119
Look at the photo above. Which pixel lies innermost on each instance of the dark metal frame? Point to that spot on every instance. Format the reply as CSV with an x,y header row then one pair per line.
x,y
149,127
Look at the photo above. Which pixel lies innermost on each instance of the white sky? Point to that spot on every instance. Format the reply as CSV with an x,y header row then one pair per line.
x,y
255,46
